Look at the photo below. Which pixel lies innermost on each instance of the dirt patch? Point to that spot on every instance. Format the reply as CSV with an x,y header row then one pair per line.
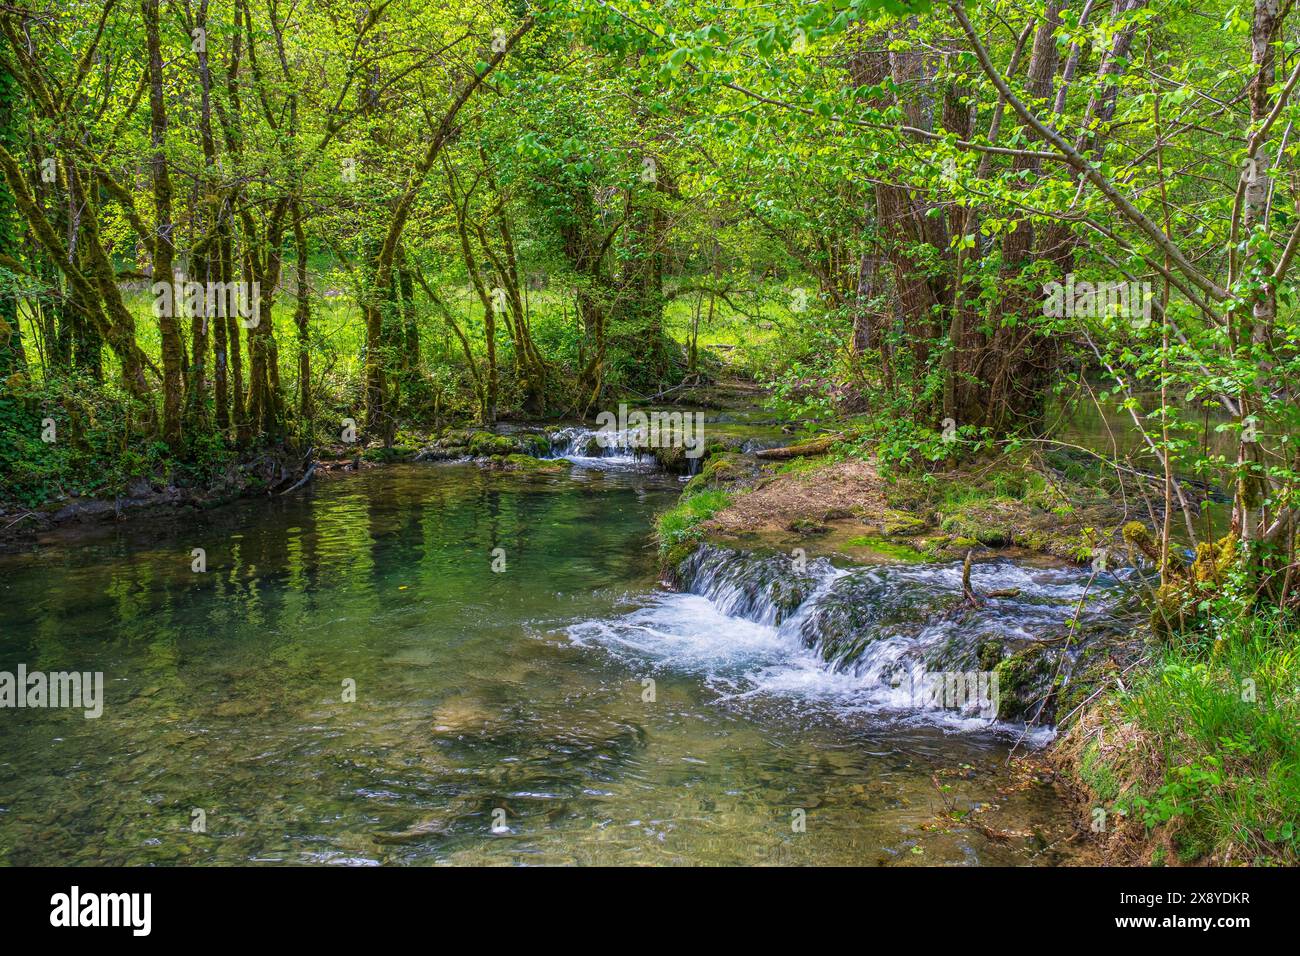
x,y
838,491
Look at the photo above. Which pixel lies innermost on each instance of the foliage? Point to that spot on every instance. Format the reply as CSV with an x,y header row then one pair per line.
x,y
1225,729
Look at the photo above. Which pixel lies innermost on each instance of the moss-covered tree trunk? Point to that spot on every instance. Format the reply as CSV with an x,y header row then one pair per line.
x,y
11,343
163,248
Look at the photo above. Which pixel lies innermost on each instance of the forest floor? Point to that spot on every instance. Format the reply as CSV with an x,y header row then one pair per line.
x,y
842,490
838,500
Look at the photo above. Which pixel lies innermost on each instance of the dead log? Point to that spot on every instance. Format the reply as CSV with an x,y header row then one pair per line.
x,y
806,449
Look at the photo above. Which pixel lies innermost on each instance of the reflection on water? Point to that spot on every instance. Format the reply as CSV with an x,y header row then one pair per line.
x,y
1107,427
225,694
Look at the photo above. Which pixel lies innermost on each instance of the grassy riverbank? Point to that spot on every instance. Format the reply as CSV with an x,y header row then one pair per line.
x,y
1193,756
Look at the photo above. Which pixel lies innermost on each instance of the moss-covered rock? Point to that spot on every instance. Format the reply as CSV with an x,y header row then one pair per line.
x,y
487,444
527,463
535,444
987,529
807,526
672,458
886,548
721,469
764,586
990,655
1021,680
454,437
1186,586
457,443
903,524
388,455
945,547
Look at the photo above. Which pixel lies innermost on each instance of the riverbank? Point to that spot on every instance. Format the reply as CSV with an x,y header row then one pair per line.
x,y
164,488
152,493
83,484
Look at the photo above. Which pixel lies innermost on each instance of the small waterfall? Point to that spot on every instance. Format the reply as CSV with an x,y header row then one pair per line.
x,y
776,624
592,447
765,589
857,620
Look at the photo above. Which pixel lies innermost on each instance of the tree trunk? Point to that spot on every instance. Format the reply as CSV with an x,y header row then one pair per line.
x,y
163,250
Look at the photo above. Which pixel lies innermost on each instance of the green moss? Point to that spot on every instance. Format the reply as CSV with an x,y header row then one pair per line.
x,y
454,438
671,457
1190,845
1033,540
944,548
1099,777
807,526
800,466
1018,676
534,444
719,469
903,523
528,463
386,455
886,548
486,444
987,531
990,655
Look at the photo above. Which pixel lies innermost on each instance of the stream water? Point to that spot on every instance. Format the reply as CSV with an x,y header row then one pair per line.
x,y
562,708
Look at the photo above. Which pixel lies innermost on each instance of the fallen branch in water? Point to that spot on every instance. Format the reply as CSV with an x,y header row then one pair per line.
x,y
971,599
301,481
21,517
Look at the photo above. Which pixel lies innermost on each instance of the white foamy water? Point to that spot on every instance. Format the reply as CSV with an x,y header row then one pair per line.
x,y
747,661
734,639
618,452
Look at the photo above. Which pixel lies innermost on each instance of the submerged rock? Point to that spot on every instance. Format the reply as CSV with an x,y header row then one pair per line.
x,y
526,463
457,443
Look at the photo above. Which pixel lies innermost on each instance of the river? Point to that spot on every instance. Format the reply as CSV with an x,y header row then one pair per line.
x,y
558,708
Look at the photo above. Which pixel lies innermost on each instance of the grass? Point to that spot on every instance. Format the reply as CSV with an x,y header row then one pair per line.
x,y
678,528
338,332
1209,763
805,466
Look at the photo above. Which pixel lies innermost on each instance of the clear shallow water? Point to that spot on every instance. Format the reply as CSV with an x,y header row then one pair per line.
x,y
476,692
